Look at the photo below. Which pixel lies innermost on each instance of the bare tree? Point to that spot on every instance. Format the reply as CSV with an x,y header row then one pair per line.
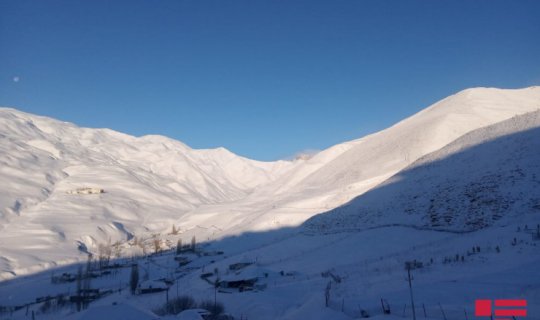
x,y
157,245
327,293
117,248
134,278
174,230
216,287
86,282
193,243
79,288
179,246
142,245
104,254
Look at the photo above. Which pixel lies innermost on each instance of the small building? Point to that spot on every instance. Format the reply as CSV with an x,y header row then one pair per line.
x,y
212,253
194,314
64,277
239,283
411,265
239,266
182,261
86,295
86,190
151,286
244,280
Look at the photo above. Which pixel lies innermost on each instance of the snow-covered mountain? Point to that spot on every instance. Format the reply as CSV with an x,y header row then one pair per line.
x,y
148,183
488,176
152,182
454,188
340,173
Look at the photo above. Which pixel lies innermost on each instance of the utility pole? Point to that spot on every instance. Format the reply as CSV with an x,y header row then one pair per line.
x,y
216,286
410,289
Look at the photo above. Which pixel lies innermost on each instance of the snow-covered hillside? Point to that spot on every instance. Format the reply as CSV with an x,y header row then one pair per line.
x,y
152,182
338,174
488,176
454,189
148,183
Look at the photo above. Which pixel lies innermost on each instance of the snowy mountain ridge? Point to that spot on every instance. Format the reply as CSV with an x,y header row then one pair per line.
x,y
153,182
340,173
44,159
488,176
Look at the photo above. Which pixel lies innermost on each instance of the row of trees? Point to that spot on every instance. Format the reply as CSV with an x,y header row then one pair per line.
x,y
134,277
83,284
180,248
108,250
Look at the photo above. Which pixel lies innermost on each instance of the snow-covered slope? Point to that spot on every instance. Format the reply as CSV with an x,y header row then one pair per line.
x,y
371,159
344,171
468,163
148,183
488,176
153,182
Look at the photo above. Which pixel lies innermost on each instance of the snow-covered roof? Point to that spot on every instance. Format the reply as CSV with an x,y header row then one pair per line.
x,y
153,284
117,312
250,272
193,314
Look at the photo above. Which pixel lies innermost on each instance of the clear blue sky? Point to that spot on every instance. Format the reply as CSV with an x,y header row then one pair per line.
x,y
265,79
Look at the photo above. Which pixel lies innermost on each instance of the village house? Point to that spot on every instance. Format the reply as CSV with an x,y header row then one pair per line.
x,y
151,286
